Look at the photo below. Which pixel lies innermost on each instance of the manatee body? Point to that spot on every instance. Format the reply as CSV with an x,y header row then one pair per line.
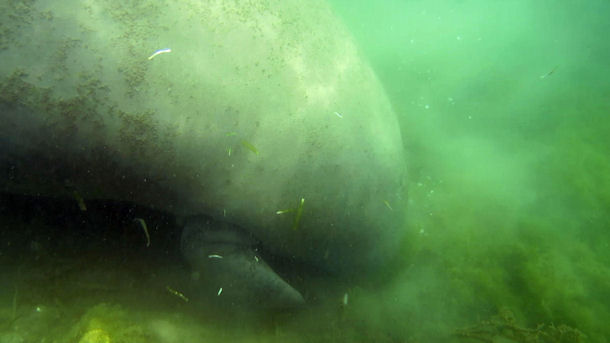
x,y
263,115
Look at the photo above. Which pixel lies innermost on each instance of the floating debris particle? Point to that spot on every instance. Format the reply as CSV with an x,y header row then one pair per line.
x,y
250,147
219,291
177,293
255,258
339,115
80,201
345,299
159,52
284,211
549,73
231,133
145,228
297,216
229,151
214,256
387,204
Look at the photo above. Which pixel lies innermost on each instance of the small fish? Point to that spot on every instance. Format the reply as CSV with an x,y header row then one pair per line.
x,y
297,216
145,228
388,205
345,299
80,201
250,147
159,52
219,291
176,293
338,115
255,258
214,256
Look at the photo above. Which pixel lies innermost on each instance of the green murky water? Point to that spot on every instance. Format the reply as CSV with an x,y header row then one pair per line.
x,y
504,110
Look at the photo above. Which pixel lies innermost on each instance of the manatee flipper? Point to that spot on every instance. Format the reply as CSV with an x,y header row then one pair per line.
x,y
231,273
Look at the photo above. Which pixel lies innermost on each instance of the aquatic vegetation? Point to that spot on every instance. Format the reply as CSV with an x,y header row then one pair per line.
x,y
504,327
298,214
106,323
95,336
249,146
145,228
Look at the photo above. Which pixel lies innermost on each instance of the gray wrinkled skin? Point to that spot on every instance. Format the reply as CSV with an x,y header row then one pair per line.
x,y
237,122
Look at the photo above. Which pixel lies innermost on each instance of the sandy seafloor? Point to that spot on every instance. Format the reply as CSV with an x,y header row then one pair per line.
x,y
504,112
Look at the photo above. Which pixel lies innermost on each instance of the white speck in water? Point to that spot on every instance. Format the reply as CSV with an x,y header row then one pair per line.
x,y
427,106
219,291
458,37
469,117
345,299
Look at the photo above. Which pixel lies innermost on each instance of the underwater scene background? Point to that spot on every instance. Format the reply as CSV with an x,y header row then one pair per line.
x,y
504,110
503,107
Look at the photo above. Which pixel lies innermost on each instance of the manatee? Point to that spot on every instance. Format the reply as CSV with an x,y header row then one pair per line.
x,y
258,118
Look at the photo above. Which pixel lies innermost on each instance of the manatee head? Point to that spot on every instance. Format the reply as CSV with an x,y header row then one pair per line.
x,y
267,118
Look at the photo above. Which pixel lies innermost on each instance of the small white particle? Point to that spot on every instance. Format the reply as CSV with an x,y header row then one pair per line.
x,y
339,115
427,107
158,52
219,291
214,256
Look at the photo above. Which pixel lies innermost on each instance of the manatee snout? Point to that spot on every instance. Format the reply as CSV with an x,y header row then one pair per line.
x,y
230,272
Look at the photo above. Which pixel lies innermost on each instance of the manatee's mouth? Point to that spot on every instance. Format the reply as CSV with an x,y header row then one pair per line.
x,y
101,247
